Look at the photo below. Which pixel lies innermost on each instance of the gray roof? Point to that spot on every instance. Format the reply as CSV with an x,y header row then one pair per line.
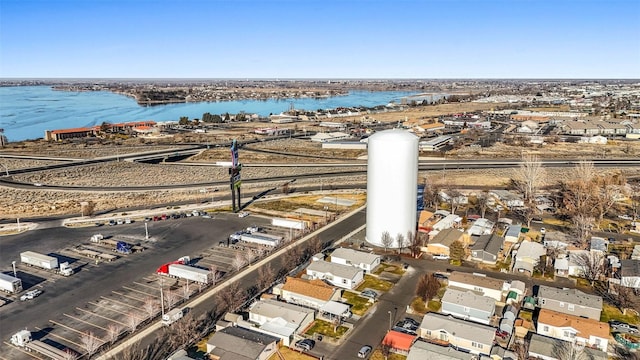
x,y
630,268
489,243
469,299
272,309
446,237
421,350
598,243
476,280
570,296
235,343
356,257
546,346
462,329
343,271
513,230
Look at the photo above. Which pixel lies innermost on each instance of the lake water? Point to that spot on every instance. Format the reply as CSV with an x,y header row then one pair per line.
x,y
27,111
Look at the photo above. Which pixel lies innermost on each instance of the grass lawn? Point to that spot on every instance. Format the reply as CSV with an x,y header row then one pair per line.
x,y
291,354
371,282
418,306
610,312
394,269
326,328
377,355
360,304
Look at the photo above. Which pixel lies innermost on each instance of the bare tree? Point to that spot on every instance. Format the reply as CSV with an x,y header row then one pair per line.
x,y
150,307
291,258
427,287
583,225
113,332
416,245
591,264
185,291
70,354
482,202
569,351
183,332
607,196
171,298
133,321
215,274
400,239
238,262
232,296
454,199
522,350
386,240
249,257
315,245
529,176
266,275
90,343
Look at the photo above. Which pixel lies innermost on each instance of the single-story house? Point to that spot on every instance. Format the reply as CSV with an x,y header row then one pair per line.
x,y
440,244
281,319
309,293
630,273
548,348
480,227
447,222
511,200
513,233
236,343
467,305
487,248
399,342
569,301
421,350
360,259
480,284
588,332
339,275
556,240
527,256
460,334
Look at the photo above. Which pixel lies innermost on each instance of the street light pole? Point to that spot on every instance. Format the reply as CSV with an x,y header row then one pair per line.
x,y
13,263
161,296
146,231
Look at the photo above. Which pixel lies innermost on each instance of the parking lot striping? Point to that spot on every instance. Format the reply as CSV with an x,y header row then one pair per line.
x,y
60,337
63,338
143,292
21,350
128,296
84,321
119,302
147,285
100,316
109,308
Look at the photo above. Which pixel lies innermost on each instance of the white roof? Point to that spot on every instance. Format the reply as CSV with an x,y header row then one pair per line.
x,y
273,309
356,257
335,308
343,271
463,329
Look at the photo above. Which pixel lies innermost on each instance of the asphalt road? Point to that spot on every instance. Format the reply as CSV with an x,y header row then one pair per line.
x,y
175,238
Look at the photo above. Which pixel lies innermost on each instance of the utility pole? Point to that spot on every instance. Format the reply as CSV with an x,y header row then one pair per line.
x,y
146,231
13,263
161,295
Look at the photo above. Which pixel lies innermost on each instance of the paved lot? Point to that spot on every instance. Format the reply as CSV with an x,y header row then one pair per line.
x,y
108,295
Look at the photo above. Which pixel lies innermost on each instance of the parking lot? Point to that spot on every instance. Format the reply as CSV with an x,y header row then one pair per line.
x,y
113,293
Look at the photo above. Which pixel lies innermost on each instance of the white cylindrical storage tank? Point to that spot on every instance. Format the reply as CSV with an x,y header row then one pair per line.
x,y
392,185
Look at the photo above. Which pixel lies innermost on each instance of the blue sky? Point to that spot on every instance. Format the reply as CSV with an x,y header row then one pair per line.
x,y
320,39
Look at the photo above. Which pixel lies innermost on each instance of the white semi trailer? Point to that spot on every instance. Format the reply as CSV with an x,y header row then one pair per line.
x,y
39,260
190,273
10,284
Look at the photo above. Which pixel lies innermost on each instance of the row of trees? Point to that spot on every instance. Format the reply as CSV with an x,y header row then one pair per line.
x,y
411,241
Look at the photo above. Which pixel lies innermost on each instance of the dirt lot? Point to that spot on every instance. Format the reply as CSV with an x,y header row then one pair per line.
x,y
613,149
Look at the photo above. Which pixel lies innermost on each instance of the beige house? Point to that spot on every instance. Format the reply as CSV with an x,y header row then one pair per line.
x,y
591,333
441,242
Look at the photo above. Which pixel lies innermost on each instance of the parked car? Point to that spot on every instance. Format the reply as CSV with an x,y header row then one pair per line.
x,y
413,324
112,222
543,231
623,327
31,294
440,276
441,257
305,344
243,214
369,294
364,351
